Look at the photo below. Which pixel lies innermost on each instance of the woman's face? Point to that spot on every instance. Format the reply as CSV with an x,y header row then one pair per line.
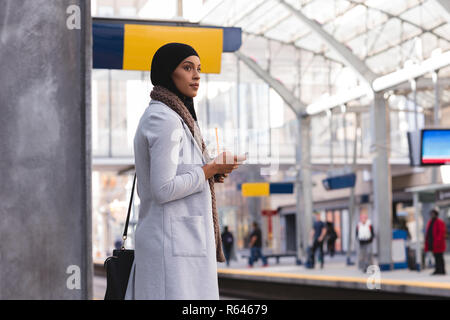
x,y
186,76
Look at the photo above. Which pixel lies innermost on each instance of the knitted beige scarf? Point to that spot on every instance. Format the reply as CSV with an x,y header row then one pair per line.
x,y
173,101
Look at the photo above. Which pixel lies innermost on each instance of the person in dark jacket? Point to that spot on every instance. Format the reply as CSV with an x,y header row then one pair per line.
x,y
435,241
227,241
317,236
256,247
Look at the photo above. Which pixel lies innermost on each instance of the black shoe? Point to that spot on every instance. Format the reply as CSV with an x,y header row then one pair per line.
x,y
440,273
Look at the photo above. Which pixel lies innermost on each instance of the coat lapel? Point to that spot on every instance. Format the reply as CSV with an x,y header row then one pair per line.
x,y
188,132
194,142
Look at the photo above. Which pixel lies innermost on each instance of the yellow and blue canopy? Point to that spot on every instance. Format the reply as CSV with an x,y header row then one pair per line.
x,y
262,189
130,45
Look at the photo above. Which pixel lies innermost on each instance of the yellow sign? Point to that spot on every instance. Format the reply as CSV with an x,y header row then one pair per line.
x,y
255,189
142,41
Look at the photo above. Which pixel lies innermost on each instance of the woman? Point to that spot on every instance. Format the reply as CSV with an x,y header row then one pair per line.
x,y
177,238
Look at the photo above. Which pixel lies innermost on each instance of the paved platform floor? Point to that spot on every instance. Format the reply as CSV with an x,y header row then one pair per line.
x,y
336,266
337,273
100,289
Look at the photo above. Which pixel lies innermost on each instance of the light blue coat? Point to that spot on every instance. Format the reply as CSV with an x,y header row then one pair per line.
x,y
175,255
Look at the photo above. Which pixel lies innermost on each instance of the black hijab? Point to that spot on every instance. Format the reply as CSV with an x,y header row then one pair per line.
x,y
165,61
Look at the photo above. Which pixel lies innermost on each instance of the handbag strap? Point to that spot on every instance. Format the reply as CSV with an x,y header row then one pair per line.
x,y
125,231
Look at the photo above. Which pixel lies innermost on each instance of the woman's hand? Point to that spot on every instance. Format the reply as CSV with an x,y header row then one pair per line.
x,y
222,165
220,178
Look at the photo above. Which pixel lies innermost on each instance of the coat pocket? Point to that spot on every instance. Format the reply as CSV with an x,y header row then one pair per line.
x,y
188,236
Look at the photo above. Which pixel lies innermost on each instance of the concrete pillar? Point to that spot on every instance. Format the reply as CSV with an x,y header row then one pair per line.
x,y
436,118
418,246
45,143
352,203
425,209
382,181
304,203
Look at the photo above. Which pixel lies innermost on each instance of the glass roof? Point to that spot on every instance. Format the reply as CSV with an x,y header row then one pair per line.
x,y
384,34
369,28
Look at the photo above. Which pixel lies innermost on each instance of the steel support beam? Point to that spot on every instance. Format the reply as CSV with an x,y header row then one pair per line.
x,y
436,117
350,60
421,84
445,5
390,81
413,71
291,100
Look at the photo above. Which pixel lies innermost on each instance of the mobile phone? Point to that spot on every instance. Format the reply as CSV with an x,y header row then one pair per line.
x,y
242,158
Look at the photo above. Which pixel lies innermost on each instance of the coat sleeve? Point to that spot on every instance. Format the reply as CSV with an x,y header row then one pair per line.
x,y
164,133
440,235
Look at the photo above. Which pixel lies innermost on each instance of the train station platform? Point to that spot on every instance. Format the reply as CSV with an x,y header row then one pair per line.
x,y
336,280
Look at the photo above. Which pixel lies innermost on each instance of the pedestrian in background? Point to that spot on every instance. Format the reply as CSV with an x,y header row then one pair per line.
x,y
317,236
331,236
227,241
415,240
256,247
435,241
365,235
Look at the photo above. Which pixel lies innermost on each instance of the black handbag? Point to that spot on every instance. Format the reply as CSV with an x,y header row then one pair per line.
x,y
118,266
